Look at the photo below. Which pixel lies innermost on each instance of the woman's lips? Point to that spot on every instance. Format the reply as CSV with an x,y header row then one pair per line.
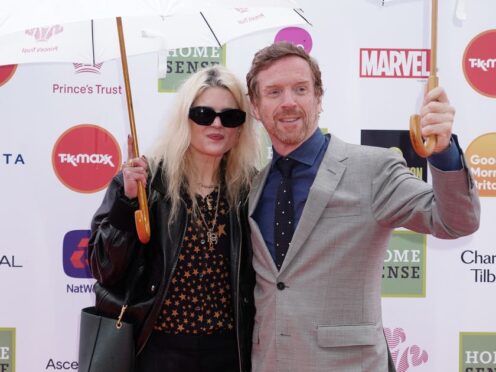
x,y
215,136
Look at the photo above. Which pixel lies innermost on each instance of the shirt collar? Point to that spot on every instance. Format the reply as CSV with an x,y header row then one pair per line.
x,y
307,152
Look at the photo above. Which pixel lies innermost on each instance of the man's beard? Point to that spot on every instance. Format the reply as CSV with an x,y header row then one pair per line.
x,y
293,137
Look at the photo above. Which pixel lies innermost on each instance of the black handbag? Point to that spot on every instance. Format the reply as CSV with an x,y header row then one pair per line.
x,y
105,344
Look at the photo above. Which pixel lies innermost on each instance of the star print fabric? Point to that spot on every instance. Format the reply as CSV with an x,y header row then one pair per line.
x,y
199,297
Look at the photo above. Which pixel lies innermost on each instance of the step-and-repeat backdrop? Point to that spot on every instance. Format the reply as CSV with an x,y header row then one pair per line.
x,y
63,130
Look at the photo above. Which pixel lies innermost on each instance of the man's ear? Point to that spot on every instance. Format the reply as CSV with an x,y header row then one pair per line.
x,y
254,110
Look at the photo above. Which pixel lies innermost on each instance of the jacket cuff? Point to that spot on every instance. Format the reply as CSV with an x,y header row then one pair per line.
x,y
450,158
121,214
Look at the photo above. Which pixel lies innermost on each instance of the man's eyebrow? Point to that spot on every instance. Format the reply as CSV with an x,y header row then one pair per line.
x,y
277,85
272,86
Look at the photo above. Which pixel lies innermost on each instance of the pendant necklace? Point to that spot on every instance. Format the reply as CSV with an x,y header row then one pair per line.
x,y
212,237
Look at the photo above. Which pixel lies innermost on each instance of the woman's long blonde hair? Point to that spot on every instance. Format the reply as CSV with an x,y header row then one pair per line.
x,y
172,155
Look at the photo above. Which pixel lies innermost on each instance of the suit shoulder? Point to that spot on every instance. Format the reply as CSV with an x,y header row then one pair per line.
x,y
372,153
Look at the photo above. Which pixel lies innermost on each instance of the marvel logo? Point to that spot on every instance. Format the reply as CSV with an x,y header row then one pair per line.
x,y
394,63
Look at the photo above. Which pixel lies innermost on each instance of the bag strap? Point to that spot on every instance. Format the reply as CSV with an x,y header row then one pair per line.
x,y
135,272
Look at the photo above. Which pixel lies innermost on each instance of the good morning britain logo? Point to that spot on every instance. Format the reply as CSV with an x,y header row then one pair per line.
x,y
481,157
6,73
477,352
479,63
86,157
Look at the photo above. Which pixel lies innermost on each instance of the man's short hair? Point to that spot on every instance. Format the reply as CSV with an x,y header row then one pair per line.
x,y
265,57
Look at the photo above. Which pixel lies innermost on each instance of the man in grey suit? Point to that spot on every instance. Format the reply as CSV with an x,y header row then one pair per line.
x,y
318,289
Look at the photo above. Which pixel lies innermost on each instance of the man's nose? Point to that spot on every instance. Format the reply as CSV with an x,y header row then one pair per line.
x,y
288,99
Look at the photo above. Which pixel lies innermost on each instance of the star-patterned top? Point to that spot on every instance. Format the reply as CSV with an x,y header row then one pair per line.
x,y
198,301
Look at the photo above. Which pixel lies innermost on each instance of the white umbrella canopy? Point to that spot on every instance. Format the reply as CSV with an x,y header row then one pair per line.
x,y
96,40
83,31
16,15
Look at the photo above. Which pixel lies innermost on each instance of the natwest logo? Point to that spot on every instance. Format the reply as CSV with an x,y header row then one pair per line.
x,y
86,157
394,63
44,33
479,63
75,254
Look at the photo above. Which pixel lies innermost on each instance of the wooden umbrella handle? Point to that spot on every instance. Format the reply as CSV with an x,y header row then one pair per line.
x,y
423,149
426,149
141,216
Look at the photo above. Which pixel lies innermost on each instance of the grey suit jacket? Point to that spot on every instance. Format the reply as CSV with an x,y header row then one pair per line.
x,y
327,316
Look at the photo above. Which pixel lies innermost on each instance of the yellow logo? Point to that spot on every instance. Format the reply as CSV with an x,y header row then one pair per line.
x,y
481,157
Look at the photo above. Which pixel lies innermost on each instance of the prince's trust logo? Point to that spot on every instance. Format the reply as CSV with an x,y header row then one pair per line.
x,y
7,349
477,352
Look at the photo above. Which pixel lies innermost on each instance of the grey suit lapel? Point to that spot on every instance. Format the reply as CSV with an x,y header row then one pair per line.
x,y
253,199
257,188
328,176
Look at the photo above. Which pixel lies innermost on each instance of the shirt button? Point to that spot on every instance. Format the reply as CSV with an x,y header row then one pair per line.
x,y
281,286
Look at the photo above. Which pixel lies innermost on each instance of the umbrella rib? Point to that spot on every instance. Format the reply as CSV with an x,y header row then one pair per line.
x,y
301,15
93,42
211,30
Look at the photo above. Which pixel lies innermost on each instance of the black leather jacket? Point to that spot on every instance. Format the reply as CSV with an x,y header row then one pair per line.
x,y
119,262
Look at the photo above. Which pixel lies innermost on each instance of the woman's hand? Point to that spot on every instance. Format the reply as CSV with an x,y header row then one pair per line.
x,y
134,170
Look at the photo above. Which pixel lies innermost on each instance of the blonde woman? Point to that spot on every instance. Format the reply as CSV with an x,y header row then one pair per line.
x,y
193,308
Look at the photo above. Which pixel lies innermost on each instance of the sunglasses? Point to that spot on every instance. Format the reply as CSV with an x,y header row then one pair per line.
x,y
230,118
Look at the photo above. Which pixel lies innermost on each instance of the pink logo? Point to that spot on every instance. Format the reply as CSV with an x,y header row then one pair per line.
x,y
86,157
404,356
93,69
6,73
479,63
297,36
44,33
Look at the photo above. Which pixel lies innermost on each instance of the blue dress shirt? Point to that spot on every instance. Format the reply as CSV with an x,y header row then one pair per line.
x,y
309,156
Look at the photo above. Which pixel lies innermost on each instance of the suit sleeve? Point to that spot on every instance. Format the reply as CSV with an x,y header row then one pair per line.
x,y
113,242
447,209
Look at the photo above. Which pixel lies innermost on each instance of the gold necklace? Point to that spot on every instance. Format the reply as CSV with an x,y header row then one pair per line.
x,y
212,237
207,186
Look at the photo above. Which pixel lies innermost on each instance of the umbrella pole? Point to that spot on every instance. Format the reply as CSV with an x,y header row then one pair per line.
x,y
426,149
141,216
